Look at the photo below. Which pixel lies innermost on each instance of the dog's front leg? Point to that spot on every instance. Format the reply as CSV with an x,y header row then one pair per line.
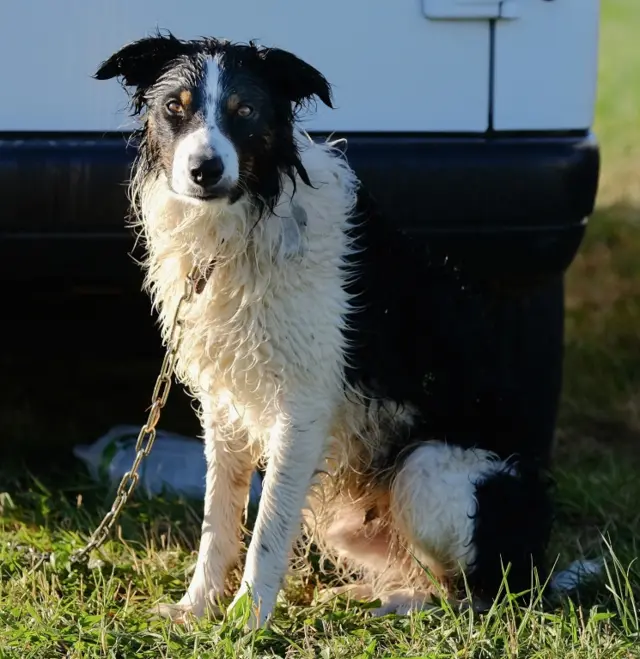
x,y
229,469
295,450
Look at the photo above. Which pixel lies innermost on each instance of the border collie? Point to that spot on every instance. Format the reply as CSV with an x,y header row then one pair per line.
x,y
322,343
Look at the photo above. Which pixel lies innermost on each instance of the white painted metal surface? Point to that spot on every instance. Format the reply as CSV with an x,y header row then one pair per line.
x,y
396,65
546,66
470,9
392,68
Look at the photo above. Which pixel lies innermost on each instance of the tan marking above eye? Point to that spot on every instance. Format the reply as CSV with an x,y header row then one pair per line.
x,y
186,97
233,102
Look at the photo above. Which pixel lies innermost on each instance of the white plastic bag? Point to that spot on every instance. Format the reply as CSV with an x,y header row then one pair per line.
x,y
176,463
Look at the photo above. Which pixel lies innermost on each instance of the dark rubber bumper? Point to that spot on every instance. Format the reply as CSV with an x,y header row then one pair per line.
x,y
508,203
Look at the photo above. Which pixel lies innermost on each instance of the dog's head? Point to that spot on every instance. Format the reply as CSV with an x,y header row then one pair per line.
x,y
218,117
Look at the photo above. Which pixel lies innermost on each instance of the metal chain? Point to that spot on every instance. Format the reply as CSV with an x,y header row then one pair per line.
x,y
147,434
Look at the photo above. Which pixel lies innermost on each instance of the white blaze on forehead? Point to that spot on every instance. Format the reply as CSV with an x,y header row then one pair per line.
x,y
220,143
208,139
212,87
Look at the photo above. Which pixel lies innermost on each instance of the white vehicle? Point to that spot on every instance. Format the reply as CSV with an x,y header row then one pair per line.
x,y
443,66
468,119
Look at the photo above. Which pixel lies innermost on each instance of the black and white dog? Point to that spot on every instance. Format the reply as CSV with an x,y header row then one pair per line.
x,y
322,342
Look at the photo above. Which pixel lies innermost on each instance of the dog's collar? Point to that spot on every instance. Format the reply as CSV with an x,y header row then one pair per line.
x,y
203,278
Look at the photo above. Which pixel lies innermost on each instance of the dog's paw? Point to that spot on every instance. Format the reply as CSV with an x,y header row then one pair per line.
x,y
188,608
358,592
175,612
253,605
403,602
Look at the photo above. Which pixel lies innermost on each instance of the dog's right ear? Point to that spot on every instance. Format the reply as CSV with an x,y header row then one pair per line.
x,y
140,63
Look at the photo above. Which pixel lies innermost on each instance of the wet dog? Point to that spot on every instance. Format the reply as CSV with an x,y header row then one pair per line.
x,y
322,342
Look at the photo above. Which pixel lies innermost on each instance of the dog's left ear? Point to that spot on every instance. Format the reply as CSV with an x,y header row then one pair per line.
x,y
294,78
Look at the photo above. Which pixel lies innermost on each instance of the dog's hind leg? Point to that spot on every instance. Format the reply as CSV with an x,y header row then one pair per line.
x,y
473,512
362,535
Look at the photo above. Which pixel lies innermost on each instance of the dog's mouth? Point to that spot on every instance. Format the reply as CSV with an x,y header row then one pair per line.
x,y
206,196
226,192
210,196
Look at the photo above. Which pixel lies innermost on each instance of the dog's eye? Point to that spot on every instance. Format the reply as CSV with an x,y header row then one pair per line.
x,y
244,110
174,108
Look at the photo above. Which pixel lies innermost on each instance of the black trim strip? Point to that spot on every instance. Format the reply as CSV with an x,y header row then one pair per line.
x,y
64,196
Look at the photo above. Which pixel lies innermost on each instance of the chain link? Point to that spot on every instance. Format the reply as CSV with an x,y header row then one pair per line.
x,y
147,434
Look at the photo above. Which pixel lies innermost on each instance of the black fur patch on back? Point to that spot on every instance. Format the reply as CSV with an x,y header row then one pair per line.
x,y
422,333
512,529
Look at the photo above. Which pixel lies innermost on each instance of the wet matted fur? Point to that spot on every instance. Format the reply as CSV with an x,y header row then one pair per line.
x,y
324,343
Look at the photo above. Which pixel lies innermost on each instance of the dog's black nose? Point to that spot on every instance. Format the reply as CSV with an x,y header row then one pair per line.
x,y
206,173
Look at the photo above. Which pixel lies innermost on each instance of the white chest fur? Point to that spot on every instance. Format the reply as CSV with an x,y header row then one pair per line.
x,y
270,317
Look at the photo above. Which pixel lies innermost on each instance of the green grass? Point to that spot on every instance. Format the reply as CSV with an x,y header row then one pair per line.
x,y
53,610
618,109
49,610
